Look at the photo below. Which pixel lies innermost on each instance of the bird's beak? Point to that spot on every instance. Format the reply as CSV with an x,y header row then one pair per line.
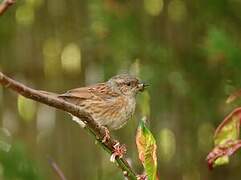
x,y
142,86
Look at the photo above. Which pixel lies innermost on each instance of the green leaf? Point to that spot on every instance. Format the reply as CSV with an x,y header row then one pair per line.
x,y
221,161
17,164
146,145
220,154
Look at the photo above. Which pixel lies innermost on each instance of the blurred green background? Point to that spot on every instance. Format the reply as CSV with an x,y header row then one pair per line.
x,y
188,50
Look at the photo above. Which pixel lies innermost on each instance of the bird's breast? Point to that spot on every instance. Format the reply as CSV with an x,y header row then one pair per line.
x,y
112,113
130,107
124,113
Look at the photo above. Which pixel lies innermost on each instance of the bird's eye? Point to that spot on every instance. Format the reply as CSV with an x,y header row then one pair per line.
x,y
128,84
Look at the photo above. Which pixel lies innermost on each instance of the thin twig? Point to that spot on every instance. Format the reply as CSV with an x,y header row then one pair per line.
x,y
56,169
5,5
91,125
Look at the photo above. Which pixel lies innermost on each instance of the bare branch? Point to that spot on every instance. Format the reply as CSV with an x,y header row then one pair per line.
x,y
91,125
5,5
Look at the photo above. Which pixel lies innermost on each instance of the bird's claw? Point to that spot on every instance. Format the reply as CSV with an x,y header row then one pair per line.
x,y
107,135
119,150
141,177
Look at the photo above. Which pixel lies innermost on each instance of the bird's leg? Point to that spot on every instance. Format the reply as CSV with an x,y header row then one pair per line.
x,y
141,177
119,150
107,134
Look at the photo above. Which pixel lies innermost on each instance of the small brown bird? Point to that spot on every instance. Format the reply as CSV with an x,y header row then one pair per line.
x,y
111,103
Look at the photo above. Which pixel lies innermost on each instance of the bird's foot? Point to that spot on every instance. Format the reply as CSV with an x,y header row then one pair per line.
x,y
141,177
107,135
119,150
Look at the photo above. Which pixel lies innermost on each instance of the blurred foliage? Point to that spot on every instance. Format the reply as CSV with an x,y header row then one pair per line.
x,y
188,51
15,164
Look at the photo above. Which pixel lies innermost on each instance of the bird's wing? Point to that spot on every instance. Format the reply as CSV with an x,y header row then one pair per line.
x,y
81,93
99,91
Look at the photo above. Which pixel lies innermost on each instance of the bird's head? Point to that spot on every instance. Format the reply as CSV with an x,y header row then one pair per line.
x,y
126,84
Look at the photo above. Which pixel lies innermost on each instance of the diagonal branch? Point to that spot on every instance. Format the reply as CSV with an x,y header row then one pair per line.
x,y
5,5
91,125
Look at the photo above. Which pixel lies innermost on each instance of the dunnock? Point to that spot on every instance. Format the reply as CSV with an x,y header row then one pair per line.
x,y
110,104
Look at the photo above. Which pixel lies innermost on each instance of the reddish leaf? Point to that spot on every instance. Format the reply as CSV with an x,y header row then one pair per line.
x,y
229,128
226,139
233,96
220,154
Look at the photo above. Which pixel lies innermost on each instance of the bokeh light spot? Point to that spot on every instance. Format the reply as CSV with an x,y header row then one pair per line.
x,y
71,58
25,15
26,108
153,7
5,139
167,144
51,52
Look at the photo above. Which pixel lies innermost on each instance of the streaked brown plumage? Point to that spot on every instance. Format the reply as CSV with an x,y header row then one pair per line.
x,y
111,103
